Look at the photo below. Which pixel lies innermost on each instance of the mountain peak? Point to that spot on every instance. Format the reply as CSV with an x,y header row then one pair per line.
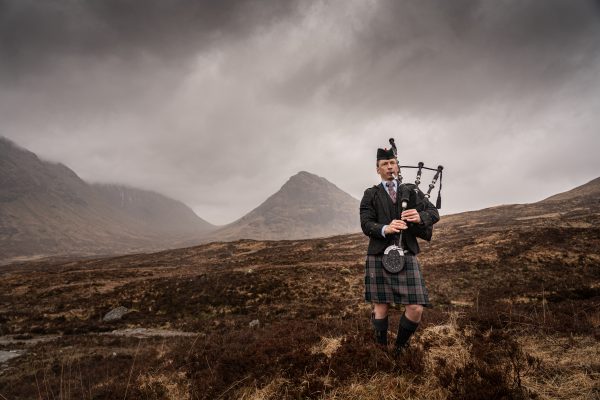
x,y
304,176
10,148
6,141
307,205
306,188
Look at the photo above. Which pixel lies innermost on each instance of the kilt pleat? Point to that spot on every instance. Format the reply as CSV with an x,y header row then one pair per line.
x,y
404,287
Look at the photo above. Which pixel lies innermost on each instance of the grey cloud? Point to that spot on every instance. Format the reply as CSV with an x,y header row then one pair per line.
x,y
450,56
218,103
34,34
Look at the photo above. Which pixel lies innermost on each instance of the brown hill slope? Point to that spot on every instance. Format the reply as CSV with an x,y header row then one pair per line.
x,y
588,191
306,206
516,314
576,207
46,209
495,230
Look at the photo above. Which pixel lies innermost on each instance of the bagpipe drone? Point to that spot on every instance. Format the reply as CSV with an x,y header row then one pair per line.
x,y
420,167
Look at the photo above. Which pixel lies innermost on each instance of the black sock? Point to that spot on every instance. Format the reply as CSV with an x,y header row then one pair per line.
x,y
405,331
381,328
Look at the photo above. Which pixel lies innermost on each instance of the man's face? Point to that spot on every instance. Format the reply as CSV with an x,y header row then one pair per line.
x,y
387,169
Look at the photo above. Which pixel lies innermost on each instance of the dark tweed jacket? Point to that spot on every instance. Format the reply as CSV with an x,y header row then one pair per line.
x,y
377,210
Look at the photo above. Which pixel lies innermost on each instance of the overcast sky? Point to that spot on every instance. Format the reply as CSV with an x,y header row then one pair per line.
x,y
218,103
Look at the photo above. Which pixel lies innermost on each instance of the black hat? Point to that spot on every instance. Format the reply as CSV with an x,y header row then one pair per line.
x,y
385,154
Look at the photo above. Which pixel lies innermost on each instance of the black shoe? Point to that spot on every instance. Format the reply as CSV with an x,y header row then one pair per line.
x,y
400,351
381,338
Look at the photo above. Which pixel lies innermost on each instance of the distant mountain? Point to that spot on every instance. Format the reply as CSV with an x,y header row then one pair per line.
x,y
46,209
153,210
306,206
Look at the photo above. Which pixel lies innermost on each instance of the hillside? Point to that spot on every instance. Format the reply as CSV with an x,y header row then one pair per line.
x,y
588,191
515,316
46,209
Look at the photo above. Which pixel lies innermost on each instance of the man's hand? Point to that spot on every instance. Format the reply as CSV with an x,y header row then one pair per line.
x,y
411,216
395,226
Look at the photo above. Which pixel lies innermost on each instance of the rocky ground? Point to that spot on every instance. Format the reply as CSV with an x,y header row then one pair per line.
x,y
515,315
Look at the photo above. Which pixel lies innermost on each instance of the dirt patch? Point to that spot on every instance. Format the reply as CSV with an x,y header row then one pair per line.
x,y
149,332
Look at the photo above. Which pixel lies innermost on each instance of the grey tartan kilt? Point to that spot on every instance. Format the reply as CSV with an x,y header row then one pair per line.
x,y
405,287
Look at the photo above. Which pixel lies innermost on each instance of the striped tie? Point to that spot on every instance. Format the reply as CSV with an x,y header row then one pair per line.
x,y
391,191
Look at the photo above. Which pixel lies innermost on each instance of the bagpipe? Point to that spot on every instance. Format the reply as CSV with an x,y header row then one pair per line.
x,y
420,167
393,258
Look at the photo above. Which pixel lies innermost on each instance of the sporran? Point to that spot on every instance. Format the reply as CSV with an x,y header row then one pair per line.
x,y
393,259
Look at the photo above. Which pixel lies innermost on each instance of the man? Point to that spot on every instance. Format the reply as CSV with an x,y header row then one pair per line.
x,y
381,220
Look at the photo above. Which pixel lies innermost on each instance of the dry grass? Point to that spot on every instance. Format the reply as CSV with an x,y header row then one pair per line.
x,y
448,366
327,345
273,390
162,386
446,343
569,368
382,386
512,319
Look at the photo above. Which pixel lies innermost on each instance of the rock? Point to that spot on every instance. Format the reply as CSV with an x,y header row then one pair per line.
x,y
345,271
254,323
115,314
7,355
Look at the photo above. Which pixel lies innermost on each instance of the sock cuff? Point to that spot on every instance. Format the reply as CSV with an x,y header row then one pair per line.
x,y
380,324
408,324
